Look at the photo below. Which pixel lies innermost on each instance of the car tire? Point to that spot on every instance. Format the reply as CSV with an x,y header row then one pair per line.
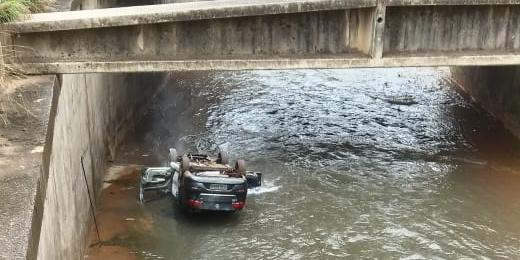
x,y
173,155
223,157
181,192
253,179
240,167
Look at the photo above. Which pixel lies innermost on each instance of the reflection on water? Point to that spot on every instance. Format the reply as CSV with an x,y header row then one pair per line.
x,y
370,163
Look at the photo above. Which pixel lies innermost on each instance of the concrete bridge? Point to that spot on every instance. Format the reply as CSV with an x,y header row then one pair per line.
x,y
268,34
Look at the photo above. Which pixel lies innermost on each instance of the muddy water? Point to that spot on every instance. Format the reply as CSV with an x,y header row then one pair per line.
x,y
372,163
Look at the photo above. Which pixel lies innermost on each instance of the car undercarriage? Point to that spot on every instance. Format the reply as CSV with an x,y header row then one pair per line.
x,y
199,182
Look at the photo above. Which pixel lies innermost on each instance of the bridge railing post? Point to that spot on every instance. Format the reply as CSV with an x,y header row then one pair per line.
x,y
376,50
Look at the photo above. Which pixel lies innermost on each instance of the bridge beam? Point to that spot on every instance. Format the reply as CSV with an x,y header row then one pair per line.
x,y
261,34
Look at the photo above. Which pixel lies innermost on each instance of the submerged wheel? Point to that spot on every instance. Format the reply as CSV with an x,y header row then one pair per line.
x,y
240,167
173,155
223,157
254,179
185,166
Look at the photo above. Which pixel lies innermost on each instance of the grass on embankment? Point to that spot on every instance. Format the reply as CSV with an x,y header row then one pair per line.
x,y
12,9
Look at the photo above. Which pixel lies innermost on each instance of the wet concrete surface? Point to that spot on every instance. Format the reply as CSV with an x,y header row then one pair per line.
x,y
116,216
358,164
24,113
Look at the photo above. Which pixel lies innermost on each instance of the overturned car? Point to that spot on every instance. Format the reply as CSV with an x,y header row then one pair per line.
x,y
200,182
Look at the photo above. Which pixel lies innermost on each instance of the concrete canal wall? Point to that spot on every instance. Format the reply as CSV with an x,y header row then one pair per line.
x,y
90,115
496,89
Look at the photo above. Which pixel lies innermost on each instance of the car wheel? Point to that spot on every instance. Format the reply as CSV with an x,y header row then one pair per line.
x,y
240,167
173,155
223,158
254,180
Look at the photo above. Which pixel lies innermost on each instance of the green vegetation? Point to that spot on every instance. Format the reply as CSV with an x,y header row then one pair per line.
x,y
12,9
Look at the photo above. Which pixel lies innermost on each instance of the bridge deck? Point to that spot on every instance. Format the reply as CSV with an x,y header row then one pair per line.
x,y
109,17
163,13
268,34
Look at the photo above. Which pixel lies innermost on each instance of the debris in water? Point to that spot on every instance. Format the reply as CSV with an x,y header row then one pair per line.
x,y
405,100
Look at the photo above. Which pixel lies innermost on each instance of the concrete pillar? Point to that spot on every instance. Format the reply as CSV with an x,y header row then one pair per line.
x,y
496,89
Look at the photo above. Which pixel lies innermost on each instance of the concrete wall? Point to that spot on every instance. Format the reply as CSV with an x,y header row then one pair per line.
x,y
496,89
435,29
327,32
91,114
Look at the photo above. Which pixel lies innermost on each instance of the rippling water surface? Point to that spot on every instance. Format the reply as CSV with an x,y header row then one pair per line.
x,y
369,163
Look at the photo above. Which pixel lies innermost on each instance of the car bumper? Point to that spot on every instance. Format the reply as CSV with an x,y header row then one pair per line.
x,y
219,202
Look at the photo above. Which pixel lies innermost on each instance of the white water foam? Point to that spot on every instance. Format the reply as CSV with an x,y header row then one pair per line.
x,y
262,190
